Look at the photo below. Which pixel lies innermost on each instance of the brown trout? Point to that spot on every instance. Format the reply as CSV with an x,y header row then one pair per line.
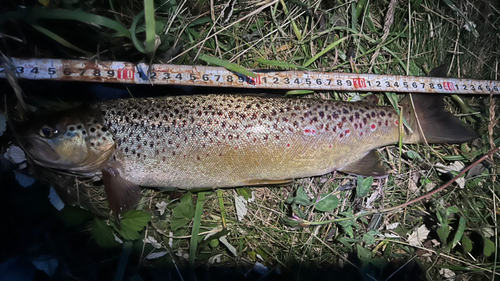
x,y
209,141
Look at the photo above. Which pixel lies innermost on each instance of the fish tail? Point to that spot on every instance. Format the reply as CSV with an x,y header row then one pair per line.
x,y
428,120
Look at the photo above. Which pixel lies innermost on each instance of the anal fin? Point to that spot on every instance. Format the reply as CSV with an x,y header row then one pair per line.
x,y
122,194
369,166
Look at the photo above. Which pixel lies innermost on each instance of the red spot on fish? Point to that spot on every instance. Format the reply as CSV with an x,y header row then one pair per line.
x,y
396,122
347,132
236,147
164,159
307,131
330,146
287,145
373,126
341,135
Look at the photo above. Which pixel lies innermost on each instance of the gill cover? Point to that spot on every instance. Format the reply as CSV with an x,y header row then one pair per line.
x,y
73,140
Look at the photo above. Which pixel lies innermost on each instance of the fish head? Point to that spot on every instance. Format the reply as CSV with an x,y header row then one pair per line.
x,y
75,141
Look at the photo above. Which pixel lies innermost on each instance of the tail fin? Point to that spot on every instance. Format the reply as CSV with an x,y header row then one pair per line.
x,y
436,124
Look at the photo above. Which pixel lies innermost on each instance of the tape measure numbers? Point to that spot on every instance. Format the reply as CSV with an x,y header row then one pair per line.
x,y
168,74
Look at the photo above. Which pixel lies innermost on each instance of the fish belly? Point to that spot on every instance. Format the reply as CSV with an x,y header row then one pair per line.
x,y
207,141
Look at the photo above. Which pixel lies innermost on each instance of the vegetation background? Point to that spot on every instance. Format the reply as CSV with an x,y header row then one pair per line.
x,y
330,226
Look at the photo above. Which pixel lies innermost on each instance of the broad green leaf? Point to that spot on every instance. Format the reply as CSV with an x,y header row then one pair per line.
x,y
327,203
460,232
302,198
363,254
74,216
452,209
183,213
228,65
364,185
443,232
413,155
132,223
466,244
347,224
379,262
489,247
369,237
246,192
103,234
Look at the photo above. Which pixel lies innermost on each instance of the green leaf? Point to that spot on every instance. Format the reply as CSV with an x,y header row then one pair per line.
x,y
103,234
369,237
298,92
149,18
459,233
466,244
364,185
246,192
413,155
74,216
347,224
132,223
302,198
327,203
324,51
60,40
379,262
363,254
489,247
63,14
230,66
183,213
452,209
193,244
279,64
443,232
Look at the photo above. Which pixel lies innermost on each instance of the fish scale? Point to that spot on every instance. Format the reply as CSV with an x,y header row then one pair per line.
x,y
234,140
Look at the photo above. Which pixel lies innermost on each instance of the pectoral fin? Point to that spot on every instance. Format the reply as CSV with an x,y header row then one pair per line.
x,y
122,194
269,182
369,166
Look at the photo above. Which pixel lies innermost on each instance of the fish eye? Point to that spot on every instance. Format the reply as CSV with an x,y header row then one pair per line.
x,y
46,132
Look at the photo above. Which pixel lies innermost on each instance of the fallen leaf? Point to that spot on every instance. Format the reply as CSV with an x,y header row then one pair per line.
x,y
418,235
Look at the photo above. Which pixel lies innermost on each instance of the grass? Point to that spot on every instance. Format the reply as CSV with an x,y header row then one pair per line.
x,y
366,37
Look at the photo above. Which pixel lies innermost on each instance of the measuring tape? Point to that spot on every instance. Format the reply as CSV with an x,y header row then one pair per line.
x,y
188,75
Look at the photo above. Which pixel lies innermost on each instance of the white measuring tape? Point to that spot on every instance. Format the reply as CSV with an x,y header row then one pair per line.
x,y
188,75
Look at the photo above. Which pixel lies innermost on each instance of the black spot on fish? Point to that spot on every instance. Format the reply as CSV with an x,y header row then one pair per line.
x,y
92,129
356,115
374,114
390,115
382,113
321,114
345,111
351,118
